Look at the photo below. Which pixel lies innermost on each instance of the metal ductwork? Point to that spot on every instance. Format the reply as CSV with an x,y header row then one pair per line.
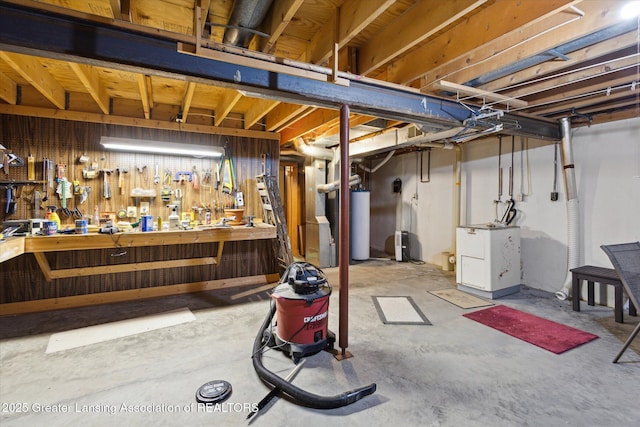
x,y
404,137
246,16
313,151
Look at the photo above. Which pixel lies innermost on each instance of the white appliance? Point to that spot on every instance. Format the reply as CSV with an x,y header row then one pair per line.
x,y
488,260
402,246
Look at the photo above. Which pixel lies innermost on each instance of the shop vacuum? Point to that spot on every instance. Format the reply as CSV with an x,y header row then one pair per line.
x,y
300,303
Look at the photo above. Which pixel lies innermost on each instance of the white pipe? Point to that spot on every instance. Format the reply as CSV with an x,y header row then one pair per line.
x,y
429,139
573,219
443,145
457,194
312,151
335,185
379,165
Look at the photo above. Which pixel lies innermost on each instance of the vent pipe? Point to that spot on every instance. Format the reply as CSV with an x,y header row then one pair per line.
x,y
246,16
573,219
312,150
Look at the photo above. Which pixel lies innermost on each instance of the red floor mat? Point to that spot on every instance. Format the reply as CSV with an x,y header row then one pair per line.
x,y
552,336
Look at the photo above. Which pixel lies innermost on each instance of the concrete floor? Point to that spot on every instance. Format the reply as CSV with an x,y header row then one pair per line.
x,y
455,372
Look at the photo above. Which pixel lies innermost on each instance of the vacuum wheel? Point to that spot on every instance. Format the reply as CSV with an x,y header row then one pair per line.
x,y
213,392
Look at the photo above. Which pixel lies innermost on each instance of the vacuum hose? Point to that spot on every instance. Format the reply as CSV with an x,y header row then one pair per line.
x,y
309,399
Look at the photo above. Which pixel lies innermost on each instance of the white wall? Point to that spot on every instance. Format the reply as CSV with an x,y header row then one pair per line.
x,y
607,167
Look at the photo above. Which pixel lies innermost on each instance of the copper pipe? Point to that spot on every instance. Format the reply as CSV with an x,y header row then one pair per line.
x,y
343,265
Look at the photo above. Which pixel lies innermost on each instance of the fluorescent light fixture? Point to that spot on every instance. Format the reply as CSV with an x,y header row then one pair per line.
x,y
159,147
630,10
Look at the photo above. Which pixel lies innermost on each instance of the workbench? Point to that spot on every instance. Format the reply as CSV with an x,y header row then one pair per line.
x,y
127,271
11,247
39,245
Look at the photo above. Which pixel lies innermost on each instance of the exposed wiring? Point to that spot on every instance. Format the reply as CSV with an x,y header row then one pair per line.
x,y
524,164
606,64
607,91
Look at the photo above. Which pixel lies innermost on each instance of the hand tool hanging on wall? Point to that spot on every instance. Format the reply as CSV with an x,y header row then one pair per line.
x,y
195,179
64,192
156,177
90,172
165,193
63,188
9,159
106,187
121,171
84,194
226,173
47,169
183,176
10,207
5,163
141,170
31,168
35,199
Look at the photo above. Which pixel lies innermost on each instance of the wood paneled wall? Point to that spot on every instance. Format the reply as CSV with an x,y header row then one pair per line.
x,y
64,142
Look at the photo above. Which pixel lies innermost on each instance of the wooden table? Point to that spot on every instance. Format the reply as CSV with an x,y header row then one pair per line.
x,y
604,276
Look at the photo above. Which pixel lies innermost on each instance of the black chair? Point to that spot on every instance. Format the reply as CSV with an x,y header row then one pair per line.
x,y
625,258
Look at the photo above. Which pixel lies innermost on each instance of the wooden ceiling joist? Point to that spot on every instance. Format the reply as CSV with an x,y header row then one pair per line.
x,y
144,94
469,35
187,99
308,124
225,105
574,77
577,98
283,114
351,18
333,127
583,55
258,110
537,42
383,56
419,23
32,71
8,90
50,113
276,21
88,76
481,94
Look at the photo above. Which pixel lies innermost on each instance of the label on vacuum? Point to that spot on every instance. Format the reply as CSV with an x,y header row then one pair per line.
x,y
315,318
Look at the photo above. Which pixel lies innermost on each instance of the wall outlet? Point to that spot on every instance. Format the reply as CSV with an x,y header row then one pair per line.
x,y
554,196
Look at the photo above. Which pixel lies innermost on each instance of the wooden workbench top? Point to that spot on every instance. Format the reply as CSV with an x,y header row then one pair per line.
x,y
71,242
11,247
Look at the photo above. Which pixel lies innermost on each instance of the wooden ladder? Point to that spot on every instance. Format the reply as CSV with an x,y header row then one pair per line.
x,y
273,214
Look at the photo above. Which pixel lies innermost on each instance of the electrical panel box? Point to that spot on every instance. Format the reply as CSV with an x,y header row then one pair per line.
x,y
488,260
